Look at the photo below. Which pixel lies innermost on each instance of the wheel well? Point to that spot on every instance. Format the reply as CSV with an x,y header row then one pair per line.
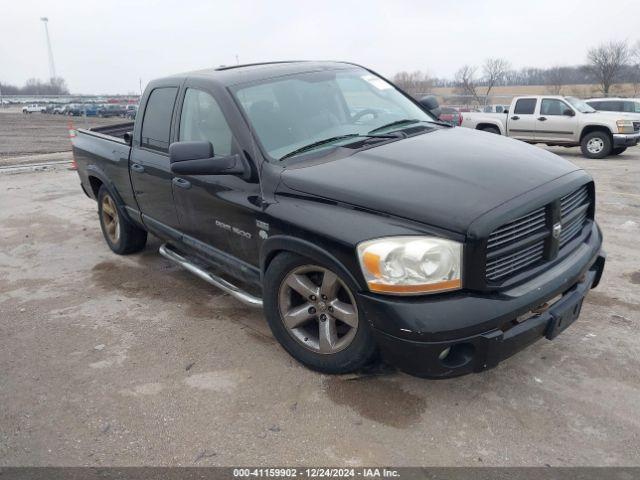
x,y
594,128
276,245
95,183
483,126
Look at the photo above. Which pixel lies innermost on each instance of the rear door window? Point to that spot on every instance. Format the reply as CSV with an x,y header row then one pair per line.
x,y
156,124
607,106
630,106
525,106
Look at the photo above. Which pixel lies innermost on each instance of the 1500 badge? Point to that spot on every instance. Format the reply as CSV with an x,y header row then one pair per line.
x,y
235,230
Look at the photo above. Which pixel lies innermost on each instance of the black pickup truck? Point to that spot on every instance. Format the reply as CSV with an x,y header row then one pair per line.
x,y
357,221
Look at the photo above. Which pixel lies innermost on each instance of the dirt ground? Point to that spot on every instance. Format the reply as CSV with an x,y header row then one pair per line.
x,y
37,133
109,360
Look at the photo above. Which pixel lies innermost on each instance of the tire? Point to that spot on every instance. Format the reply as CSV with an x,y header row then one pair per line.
x,y
618,151
352,346
491,130
120,234
596,144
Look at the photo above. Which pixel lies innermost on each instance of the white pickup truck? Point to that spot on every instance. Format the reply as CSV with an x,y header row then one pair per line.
x,y
33,107
558,120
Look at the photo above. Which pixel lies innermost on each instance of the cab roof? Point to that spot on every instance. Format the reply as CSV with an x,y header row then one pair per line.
x,y
237,74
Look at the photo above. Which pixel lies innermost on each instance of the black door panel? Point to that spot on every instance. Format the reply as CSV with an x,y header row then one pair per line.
x,y
149,163
214,209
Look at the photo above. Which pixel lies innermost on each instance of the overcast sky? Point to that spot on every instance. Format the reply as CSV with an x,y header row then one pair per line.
x,y
108,46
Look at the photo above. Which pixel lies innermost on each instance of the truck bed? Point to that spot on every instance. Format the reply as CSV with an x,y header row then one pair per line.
x,y
103,154
110,132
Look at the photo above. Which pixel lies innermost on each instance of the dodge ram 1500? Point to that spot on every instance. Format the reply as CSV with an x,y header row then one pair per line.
x,y
357,221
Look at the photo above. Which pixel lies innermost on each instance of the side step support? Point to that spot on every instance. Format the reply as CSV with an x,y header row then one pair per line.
x,y
245,297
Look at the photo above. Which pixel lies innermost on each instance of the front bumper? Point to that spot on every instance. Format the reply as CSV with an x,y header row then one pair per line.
x,y
480,330
625,140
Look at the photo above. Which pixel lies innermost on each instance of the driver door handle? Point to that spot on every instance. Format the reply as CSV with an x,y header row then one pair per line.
x,y
181,182
136,167
542,119
515,117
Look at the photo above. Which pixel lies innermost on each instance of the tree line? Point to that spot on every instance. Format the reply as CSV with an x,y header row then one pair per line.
x,y
35,86
607,64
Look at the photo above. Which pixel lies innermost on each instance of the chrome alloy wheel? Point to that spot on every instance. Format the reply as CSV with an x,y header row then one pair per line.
x,y
110,219
318,309
595,145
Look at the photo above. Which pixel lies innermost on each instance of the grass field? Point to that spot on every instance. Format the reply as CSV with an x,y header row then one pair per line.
x,y
505,94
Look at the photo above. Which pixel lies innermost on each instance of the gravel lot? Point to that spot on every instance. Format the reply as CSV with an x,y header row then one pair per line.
x,y
24,137
109,360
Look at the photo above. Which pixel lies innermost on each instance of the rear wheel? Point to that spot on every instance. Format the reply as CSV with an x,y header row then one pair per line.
x,y
618,151
491,130
120,234
313,313
596,145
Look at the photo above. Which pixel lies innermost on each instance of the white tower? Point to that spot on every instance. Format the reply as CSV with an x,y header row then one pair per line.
x,y
52,67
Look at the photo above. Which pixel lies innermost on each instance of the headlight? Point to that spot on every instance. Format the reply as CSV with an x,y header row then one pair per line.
x,y
411,265
625,126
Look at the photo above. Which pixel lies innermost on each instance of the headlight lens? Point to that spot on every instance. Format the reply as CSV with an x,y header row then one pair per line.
x,y
625,126
411,265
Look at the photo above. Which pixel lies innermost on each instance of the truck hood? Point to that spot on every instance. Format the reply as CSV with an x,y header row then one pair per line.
x,y
611,116
446,178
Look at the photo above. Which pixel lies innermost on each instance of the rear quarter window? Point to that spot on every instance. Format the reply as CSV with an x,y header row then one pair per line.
x,y
156,124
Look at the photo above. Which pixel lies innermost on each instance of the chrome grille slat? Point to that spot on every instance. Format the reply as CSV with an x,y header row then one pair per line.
x,y
514,258
571,204
516,263
517,231
517,234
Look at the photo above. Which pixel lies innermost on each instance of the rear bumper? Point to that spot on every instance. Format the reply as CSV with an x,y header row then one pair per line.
x,y
625,140
480,331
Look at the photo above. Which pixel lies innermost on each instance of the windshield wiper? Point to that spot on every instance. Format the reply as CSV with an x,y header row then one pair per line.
x,y
406,121
325,141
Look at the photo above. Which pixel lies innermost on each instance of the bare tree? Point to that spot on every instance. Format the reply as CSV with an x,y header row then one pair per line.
x,y
606,61
635,69
494,70
466,82
414,83
555,78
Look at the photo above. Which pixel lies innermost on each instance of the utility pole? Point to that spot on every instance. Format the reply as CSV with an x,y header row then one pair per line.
x,y
52,67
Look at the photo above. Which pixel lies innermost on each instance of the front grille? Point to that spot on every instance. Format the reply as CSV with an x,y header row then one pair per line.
x,y
526,242
573,214
502,265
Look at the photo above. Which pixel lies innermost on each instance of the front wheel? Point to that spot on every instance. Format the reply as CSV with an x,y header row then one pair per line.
x,y
596,145
313,313
120,234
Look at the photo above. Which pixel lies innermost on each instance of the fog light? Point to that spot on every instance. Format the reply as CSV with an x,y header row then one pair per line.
x,y
444,353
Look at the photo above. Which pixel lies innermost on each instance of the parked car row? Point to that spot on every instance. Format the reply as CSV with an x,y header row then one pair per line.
x,y
86,109
600,126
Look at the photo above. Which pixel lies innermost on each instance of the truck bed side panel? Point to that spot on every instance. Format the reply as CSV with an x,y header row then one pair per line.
x,y
107,159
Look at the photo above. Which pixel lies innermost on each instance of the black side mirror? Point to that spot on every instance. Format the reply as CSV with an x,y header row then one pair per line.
x,y
569,113
431,103
128,138
196,158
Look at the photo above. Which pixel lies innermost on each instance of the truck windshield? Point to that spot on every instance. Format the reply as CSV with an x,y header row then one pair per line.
x,y
579,105
292,112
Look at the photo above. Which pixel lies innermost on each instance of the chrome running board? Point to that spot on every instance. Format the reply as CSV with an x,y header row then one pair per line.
x,y
246,298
